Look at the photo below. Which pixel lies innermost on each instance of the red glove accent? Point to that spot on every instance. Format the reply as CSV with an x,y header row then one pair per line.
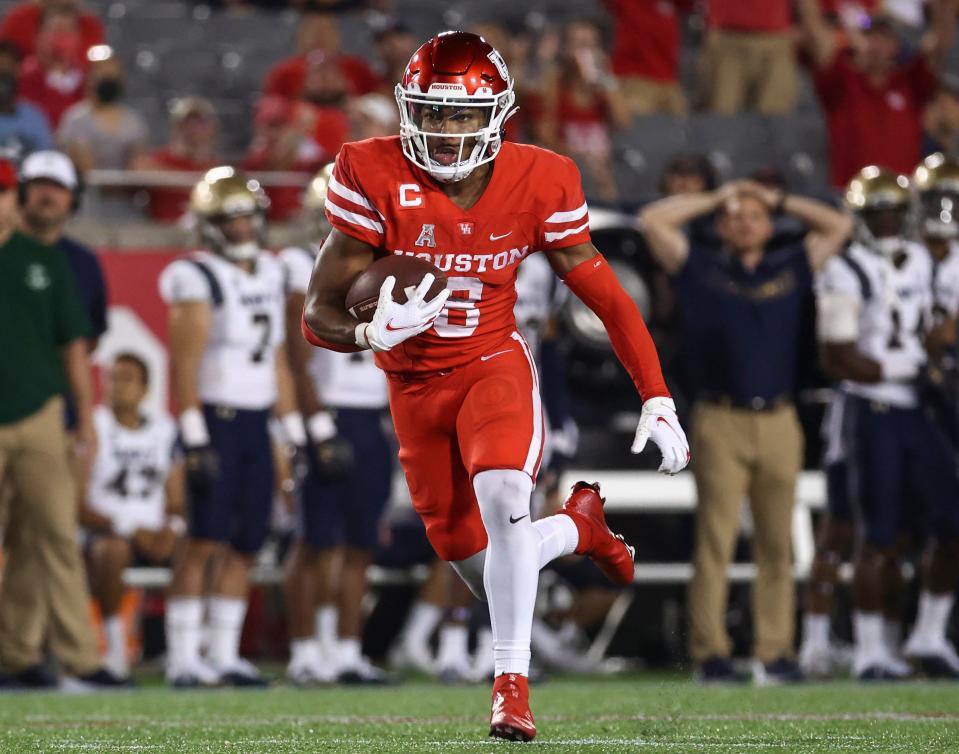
x,y
316,340
596,285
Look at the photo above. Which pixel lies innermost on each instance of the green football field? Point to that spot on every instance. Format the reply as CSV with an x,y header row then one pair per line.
x,y
635,714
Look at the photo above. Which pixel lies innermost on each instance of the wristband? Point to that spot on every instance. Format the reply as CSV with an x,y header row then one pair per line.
x,y
359,335
176,524
321,426
293,428
193,428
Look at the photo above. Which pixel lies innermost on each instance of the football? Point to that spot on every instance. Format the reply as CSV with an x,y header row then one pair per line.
x,y
409,272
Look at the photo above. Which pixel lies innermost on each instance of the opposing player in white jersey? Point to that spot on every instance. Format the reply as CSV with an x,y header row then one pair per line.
x,y
343,396
229,370
133,498
874,305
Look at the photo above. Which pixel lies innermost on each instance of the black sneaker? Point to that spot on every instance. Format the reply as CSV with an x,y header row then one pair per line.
x,y
777,673
36,677
103,678
719,670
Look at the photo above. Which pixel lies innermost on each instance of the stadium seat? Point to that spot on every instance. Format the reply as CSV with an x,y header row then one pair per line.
x,y
643,149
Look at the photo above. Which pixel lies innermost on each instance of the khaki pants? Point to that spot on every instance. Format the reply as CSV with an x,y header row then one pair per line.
x,y
743,71
739,453
44,582
644,96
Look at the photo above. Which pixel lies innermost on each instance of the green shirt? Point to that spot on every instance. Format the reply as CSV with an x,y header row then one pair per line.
x,y
40,311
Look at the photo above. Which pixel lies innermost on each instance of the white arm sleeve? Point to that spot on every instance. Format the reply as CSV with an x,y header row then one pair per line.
x,y
182,281
297,269
837,319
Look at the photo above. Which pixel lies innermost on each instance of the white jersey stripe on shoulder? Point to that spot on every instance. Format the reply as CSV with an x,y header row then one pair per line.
x,y
535,451
352,217
347,193
568,217
550,237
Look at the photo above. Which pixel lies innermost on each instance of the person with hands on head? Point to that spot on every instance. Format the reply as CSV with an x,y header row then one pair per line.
x,y
463,385
741,307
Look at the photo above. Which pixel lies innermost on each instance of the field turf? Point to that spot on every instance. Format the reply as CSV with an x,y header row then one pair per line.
x,y
635,714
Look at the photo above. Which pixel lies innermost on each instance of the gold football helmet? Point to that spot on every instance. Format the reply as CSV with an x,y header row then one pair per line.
x,y
937,182
225,193
314,204
880,199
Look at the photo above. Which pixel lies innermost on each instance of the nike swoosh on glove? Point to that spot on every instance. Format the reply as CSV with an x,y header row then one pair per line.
x,y
658,422
393,322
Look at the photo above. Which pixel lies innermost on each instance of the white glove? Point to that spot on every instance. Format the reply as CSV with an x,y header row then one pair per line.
x,y
659,422
393,323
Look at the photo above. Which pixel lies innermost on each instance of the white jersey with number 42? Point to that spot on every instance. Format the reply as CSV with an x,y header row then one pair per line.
x,y
127,482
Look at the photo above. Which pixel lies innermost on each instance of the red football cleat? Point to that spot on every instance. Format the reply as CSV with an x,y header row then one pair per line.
x,y
511,718
607,550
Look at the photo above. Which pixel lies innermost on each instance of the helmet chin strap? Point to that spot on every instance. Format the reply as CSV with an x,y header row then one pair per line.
x,y
888,246
241,252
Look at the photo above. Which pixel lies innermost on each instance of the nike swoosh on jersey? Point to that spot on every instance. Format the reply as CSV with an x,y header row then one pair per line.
x,y
497,238
517,520
498,353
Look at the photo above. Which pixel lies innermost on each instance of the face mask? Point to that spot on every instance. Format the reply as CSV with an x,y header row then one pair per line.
x,y
108,90
8,87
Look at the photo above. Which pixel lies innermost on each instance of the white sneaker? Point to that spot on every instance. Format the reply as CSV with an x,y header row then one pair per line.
x,y
242,673
936,657
412,656
454,671
192,675
306,673
817,660
363,673
879,665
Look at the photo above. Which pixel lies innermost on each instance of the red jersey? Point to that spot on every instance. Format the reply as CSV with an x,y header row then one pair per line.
x,y
647,38
871,125
169,205
286,77
22,24
534,202
749,15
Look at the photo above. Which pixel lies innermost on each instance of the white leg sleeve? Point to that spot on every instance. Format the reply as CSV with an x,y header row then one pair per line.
x,y
511,574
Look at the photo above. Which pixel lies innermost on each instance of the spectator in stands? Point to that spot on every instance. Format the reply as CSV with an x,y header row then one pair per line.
x,y
941,121
53,78
101,132
372,115
395,44
741,308
191,149
44,340
581,106
872,97
326,90
515,47
22,23
23,127
133,497
646,50
283,141
748,61
318,36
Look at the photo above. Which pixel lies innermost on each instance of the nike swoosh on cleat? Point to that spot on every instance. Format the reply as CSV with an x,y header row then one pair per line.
x,y
497,238
498,353
517,520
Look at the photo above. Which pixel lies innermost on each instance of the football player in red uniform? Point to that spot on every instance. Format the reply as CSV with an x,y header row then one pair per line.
x,y
462,384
